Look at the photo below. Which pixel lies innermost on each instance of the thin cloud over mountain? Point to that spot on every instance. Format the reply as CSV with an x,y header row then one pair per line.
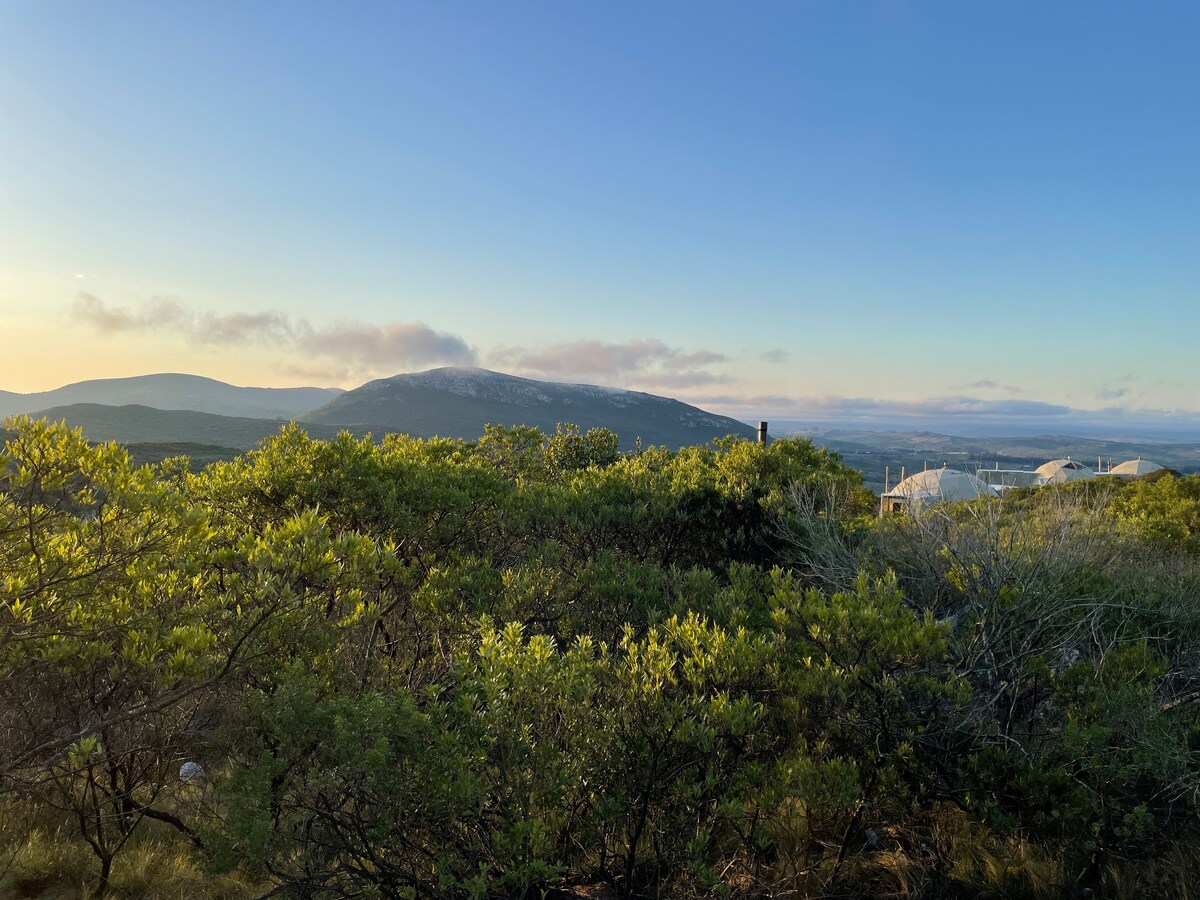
x,y
828,406
357,346
646,362
990,384
344,350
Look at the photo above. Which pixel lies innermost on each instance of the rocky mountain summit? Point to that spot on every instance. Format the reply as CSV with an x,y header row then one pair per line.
x,y
459,402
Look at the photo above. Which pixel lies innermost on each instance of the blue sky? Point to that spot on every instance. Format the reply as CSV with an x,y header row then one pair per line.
x,y
791,210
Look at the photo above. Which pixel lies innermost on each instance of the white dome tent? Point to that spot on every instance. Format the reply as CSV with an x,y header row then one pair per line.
x,y
934,486
1058,471
1134,468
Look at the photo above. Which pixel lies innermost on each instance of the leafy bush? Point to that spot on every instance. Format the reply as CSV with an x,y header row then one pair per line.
x,y
531,664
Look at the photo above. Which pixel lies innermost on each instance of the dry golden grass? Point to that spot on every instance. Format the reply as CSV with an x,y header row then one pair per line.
x,y
43,859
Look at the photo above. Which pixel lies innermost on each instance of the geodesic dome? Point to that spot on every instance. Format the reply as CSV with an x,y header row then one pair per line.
x,y
936,485
1133,468
1058,471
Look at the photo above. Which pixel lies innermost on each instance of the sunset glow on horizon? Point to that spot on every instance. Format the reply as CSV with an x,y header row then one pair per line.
x,y
819,212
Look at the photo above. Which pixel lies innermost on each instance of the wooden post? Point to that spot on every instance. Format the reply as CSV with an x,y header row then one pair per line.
x,y
762,433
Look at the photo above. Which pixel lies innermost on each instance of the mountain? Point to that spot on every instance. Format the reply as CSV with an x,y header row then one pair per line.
x,y
458,402
186,392
145,425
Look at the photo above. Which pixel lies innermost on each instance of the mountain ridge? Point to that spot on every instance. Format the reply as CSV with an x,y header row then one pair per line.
x,y
173,391
138,424
461,401
454,402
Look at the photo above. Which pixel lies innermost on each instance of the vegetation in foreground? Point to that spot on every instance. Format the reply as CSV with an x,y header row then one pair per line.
x,y
532,666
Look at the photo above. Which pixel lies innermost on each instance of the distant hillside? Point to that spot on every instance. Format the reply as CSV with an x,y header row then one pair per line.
x,y
199,455
185,392
874,452
458,402
143,425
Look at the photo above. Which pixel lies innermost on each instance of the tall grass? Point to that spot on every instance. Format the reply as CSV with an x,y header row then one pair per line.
x,y
41,857
948,856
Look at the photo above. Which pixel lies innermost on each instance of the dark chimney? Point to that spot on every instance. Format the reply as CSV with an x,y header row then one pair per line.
x,y
762,433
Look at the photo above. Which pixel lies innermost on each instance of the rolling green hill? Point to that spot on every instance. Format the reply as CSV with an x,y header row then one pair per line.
x,y
144,425
199,455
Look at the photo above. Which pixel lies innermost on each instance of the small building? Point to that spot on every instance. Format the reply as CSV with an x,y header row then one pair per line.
x,y
1058,471
1134,468
933,486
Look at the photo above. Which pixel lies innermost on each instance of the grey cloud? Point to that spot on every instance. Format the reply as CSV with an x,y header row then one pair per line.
x,y
165,312
766,402
171,314
1129,412
976,406
414,343
828,406
91,310
776,356
647,361
356,346
988,384
676,360
159,313
242,328
1112,393
676,379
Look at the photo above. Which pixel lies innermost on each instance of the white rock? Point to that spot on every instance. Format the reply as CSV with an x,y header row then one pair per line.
x,y
191,772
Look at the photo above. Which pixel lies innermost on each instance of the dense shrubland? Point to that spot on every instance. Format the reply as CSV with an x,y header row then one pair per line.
x,y
533,666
